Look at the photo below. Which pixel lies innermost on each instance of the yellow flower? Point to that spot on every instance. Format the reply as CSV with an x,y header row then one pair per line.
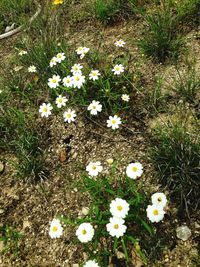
x,y
58,2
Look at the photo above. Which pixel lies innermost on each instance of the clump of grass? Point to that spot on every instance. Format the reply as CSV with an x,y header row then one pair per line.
x,y
161,39
157,98
175,153
187,83
10,238
19,136
108,11
188,11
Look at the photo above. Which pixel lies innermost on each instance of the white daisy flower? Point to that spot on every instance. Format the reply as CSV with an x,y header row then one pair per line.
x,y
114,122
119,208
120,43
155,213
67,81
94,168
76,69
32,68
22,52
61,101
60,57
116,227
54,81
94,75
91,263
125,98
159,199
134,170
53,62
78,80
118,69
56,229
69,115
94,107
85,232
82,51
45,109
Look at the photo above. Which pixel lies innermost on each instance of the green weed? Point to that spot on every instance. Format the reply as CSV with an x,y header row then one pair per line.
x,y
10,238
161,38
175,153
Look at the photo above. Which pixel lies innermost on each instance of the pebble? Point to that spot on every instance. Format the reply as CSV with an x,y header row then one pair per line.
x,y
183,232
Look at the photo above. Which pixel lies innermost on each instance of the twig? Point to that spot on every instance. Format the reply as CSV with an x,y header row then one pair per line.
x,y
19,29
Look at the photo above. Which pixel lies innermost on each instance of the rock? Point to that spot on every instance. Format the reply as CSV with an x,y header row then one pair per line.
x,y
183,232
85,211
2,166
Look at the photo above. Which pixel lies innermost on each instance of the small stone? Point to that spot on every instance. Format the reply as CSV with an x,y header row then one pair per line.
x,y
1,211
120,255
183,232
85,211
1,166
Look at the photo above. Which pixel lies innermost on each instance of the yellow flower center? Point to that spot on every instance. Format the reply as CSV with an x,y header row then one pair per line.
x,y
155,212
117,68
114,121
60,100
55,229
119,208
94,107
116,226
77,79
134,169
44,109
94,167
84,232
54,81
69,115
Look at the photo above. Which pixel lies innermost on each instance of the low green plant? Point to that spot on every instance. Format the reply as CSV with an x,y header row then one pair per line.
x,y
175,153
187,83
102,191
108,11
161,38
10,238
157,98
18,135
188,11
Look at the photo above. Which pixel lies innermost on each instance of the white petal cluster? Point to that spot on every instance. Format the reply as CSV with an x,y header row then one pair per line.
x,y
61,101
134,170
125,98
69,115
119,208
45,110
94,107
118,69
68,81
156,212
56,229
116,227
120,43
85,232
91,263
54,81
32,69
114,122
82,51
94,75
94,168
